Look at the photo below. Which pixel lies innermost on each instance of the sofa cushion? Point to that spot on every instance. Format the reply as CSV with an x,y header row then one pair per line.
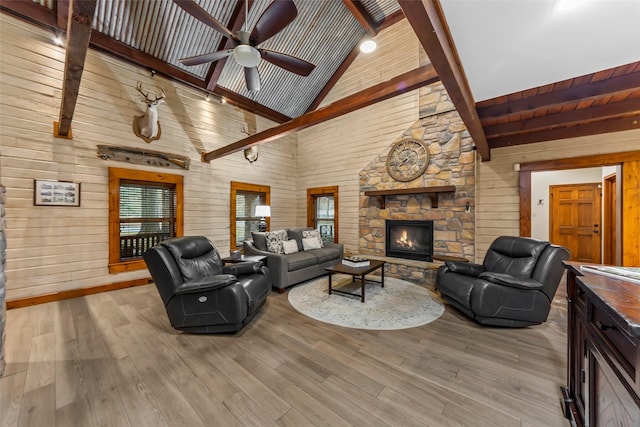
x,y
326,254
300,260
290,246
310,243
312,234
274,241
296,234
259,240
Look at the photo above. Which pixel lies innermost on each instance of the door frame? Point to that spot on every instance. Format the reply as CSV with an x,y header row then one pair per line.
x,y
630,207
610,253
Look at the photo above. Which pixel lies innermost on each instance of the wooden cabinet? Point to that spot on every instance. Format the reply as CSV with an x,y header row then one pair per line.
x,y
603,350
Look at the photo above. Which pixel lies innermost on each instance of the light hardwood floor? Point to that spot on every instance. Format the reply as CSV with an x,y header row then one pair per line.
x,y
112,359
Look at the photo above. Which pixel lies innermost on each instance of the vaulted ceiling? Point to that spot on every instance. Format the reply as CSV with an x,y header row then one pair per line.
x,y
156,34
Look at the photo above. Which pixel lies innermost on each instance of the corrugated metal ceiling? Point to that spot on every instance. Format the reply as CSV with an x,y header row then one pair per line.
x,y
323,33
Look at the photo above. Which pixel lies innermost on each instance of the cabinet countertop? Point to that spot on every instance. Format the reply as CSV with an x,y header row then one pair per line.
x,y
619,297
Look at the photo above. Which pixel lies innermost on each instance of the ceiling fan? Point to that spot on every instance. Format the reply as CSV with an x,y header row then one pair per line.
x,y
246,52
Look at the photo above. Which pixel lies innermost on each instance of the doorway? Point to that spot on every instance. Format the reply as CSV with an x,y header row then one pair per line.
x,y
575,220
610,222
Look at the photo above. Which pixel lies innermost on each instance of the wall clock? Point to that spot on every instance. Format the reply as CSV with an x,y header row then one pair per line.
x,y
407,159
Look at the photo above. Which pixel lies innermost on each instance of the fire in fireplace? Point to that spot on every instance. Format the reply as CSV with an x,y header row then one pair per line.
x,y
409,239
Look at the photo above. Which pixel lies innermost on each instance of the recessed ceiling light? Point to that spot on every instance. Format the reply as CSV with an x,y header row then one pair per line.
x,y
368,46
57,40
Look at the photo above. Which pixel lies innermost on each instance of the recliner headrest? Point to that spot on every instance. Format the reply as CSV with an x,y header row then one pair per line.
x,y
514,255
196,256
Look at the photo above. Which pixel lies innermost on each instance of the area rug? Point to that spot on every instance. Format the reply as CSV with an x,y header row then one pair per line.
x,y
399,305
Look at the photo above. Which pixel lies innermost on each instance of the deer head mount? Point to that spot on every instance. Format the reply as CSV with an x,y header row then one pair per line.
x,y
147,126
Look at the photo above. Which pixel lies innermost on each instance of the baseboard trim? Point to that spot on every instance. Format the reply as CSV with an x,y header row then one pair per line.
x,y
74,293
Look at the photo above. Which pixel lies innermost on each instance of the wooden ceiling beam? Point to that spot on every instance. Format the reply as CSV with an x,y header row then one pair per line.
x,y
585,115
403,83
427,20
593,128
249,105
32,12
558,98
62,13
364,18
80,21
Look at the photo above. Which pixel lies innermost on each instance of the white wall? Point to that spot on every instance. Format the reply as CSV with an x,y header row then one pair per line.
x,y
540,205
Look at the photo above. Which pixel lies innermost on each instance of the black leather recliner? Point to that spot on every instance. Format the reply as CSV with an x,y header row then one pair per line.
x,y
199,293
514,286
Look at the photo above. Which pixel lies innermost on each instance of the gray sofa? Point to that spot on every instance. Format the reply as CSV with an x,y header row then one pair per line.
x,y
290,269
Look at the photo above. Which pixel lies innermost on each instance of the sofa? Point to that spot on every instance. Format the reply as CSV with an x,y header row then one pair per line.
x,y
513,287
200,294
289,267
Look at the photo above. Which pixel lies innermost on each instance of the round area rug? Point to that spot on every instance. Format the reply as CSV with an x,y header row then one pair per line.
x,y
399,305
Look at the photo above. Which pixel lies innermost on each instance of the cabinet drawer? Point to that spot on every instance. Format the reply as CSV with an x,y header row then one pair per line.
x,y
620,344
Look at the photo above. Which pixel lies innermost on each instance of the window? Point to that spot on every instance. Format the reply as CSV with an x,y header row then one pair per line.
x,y
322,211
244,199
145,208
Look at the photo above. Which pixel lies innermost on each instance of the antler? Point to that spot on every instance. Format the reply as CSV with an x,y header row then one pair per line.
x,y
146,95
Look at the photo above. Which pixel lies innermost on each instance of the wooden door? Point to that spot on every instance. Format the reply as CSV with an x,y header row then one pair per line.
x,y
575,220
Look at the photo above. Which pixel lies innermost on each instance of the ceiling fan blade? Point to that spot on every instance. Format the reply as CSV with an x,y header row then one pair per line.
x,y
252,78
207,57
202,15
288,62
274,19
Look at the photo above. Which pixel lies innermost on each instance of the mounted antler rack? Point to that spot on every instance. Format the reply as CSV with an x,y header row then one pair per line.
x,y
432,192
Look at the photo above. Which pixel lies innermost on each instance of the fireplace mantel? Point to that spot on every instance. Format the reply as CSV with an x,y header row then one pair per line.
x,y
432,192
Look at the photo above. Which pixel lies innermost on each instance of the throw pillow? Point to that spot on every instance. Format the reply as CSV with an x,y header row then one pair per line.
x,y
290,246
274,241
311,243
310,234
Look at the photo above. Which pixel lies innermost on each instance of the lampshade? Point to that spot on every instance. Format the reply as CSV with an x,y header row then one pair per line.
x,y
247,56
263,210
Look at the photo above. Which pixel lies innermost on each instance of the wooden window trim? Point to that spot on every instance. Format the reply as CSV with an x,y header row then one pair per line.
x,y
115,176
323,191
248,187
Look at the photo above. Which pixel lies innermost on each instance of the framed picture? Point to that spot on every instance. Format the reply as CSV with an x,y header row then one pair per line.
x,y
56,193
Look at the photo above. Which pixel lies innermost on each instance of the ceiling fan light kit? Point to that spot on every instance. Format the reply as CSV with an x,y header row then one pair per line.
x,y
245,55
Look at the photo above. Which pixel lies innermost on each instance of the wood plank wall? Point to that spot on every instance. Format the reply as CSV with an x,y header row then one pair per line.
x,y
54,249
333,153
497,189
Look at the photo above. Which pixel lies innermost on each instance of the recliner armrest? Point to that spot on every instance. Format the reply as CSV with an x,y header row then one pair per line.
x,y
465,268
511,281
243,268
207,283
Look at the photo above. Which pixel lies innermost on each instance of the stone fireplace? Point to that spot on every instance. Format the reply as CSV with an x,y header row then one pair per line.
x,y
451,166
409,239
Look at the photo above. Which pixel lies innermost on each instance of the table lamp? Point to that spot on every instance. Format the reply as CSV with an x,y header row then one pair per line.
x,y
263,211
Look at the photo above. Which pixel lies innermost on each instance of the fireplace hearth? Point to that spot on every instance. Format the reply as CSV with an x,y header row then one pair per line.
x,y
409,239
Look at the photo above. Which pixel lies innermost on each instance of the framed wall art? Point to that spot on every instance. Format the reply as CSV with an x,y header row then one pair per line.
x,y
56,193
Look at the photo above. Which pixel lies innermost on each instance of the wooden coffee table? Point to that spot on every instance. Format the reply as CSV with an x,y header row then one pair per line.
x,y
356,273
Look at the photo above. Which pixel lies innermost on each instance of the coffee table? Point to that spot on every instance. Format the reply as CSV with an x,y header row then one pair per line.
x,y
355,273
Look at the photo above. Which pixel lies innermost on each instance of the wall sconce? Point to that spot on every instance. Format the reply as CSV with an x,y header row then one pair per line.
x,y
263,211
